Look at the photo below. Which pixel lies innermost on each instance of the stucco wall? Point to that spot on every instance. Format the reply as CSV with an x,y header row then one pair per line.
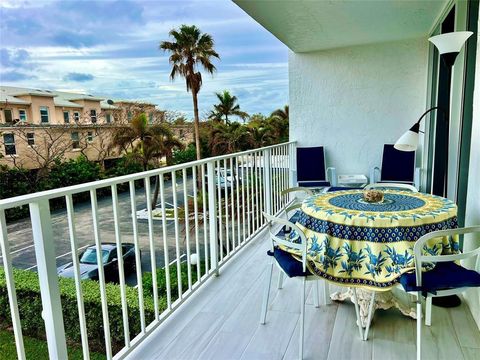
x,y
472,216
353,100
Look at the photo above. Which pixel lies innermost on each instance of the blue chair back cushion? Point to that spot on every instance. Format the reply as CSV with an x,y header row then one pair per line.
x,y
288,263
397,166
445,275
311,166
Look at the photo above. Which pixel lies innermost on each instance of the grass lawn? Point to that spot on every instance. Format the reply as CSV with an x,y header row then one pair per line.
x,y
35,349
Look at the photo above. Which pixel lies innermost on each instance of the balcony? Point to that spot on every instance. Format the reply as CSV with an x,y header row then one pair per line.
x,y
206,303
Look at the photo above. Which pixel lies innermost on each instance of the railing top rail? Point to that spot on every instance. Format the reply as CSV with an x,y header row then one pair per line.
x,y
75,189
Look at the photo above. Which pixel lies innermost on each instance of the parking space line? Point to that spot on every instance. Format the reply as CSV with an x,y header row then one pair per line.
x,y
58,257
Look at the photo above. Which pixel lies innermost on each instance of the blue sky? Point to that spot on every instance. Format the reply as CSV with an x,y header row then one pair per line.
x,y
110,48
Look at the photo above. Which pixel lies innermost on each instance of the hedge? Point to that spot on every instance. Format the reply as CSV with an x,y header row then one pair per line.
x,y
30,308
30,305
162,280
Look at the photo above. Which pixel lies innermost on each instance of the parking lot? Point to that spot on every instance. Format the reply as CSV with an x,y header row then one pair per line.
x,y
21,241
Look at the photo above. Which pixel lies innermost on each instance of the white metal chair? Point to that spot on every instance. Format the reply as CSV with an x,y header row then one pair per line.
x,y
446,278
292,214
291,267
391,186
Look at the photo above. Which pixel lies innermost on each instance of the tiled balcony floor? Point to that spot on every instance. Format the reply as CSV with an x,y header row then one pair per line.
x,y
221,321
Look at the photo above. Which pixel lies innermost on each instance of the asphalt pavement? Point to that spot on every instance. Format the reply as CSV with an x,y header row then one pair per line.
x,y
21,241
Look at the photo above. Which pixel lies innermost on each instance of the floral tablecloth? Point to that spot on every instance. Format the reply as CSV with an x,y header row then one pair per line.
x,y
352,242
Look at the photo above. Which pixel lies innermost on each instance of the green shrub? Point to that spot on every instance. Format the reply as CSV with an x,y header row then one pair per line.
x,y
162,281
30,308
184,156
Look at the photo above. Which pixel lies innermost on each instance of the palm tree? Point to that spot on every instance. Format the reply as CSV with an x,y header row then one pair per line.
x,y
146,142
190,50
229,138
281,113
261,134
228,106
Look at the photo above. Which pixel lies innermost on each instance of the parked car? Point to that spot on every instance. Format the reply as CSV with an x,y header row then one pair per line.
x,y
224,179
89,266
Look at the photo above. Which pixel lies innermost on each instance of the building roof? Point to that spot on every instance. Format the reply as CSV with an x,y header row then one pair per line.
x,y
62,102
61,98
8,99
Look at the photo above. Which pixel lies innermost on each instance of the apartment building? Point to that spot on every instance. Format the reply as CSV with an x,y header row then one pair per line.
x,y
37,126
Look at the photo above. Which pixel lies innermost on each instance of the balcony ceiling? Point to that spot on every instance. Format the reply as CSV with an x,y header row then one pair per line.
x,y
317,25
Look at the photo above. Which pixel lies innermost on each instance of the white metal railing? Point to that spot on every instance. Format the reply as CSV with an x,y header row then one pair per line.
x,y
228,194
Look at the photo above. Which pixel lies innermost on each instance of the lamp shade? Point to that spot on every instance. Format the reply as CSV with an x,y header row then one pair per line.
x,y
407,142
450,42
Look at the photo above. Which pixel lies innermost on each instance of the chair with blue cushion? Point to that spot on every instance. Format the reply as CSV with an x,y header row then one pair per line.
x,y
311,170
446,278
292,213
296,241
397,167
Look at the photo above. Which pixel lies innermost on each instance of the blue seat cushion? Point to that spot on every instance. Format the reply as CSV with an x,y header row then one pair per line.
x,y
445,275
291,266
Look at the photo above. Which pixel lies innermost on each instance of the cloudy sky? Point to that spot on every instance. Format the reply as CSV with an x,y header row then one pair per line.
x,y
110,48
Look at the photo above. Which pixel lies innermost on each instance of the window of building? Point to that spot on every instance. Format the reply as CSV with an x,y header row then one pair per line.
x,y
66,117
31,139
9,143
76,116
90,136
44,114
108,118
93,115
75,140
8,115
22,114
129,115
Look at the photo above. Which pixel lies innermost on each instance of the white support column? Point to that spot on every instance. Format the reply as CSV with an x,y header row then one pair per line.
x,y
267,179
48,278
212,216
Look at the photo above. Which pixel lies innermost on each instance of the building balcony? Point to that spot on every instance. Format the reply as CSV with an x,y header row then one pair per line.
x,y
206,303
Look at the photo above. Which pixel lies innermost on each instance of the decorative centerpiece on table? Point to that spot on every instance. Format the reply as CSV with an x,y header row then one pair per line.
x,y
373,196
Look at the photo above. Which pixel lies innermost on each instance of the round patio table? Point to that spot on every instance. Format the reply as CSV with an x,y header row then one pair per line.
x,y
355,243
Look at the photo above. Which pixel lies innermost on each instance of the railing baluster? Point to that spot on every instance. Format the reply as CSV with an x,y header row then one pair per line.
x,y
10,281
232,197
195,211
121,266
77,276
219,189
244,235
153,260
101,274
187,227
227,217
205,220
166,255
249,196
138,259
212,218
237,191
177,235
274,185
259,190
267,180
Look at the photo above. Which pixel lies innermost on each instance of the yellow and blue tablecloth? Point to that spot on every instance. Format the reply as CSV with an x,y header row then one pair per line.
x,y
352,242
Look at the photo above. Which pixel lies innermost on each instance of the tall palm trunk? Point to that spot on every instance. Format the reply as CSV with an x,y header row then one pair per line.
x,y
196,124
